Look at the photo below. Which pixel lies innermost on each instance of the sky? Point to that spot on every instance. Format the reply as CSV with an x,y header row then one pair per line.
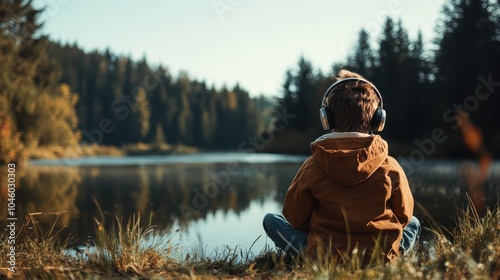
x,y
224,42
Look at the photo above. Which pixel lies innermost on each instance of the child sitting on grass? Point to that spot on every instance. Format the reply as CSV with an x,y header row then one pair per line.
x,y
349,194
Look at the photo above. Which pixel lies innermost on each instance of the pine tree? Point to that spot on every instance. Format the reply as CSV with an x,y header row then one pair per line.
x,y
289,99
306,90
419,87
468,50
138,121
362,61
183,115
393,79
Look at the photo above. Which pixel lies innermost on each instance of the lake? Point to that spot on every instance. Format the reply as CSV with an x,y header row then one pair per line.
x,y
205,200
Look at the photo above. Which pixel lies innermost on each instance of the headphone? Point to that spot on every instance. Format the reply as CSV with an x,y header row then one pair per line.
x,y
326,113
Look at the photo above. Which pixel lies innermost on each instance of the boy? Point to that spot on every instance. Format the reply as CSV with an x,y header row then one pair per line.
x,y
349,194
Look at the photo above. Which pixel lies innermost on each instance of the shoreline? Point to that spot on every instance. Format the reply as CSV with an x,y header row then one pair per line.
x,y
94,150
473,253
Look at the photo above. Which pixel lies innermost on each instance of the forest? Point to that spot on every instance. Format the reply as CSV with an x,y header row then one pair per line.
x,y
123,102
59,95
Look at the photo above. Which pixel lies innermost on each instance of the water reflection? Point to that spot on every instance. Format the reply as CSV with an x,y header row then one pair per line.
x,y
180,193
47,190
221,202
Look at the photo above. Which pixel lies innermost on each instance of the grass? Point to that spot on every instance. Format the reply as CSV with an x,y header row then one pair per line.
x,y
131,250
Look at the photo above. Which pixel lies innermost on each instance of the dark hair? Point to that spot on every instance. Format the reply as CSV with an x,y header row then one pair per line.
x,y
353,104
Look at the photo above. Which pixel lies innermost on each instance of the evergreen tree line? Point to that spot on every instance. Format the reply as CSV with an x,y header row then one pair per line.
x,y
422,88
123,102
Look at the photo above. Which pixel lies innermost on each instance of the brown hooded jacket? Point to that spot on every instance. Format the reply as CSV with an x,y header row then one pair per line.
x,y
350,193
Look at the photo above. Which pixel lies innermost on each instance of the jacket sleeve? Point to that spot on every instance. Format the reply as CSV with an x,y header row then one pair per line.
x,y
299,200
401,200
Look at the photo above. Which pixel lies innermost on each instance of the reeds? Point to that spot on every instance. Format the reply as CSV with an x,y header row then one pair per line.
x,y
131,247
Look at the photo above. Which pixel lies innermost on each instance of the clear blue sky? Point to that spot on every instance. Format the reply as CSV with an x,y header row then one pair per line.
x,y
252,42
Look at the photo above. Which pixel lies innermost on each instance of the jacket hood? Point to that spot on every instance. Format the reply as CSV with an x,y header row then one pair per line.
x,y
349,158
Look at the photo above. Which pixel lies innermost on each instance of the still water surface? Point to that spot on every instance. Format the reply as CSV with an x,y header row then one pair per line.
x,y
206,200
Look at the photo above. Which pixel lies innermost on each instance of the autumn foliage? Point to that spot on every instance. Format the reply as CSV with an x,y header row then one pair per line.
x,y
36,112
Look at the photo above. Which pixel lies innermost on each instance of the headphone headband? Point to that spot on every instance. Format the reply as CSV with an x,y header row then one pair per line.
x,y
324,102
326,113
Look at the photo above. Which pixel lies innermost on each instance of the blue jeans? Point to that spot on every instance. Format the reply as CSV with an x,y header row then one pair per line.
x,y
411,233
294,241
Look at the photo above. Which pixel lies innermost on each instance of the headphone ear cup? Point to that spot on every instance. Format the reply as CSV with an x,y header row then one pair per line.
x,y
331,119
378,120
327,119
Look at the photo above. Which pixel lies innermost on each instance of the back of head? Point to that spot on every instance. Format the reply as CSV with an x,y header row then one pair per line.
x,y
353,103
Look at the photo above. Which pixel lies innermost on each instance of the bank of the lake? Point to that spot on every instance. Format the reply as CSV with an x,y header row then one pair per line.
x,y
473,252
